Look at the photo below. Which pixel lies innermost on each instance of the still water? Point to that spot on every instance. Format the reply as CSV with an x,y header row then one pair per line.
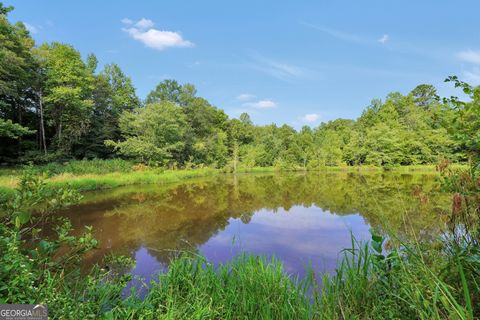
x,y
299,218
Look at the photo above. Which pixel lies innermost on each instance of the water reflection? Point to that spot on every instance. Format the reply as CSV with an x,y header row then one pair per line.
x,y
299,218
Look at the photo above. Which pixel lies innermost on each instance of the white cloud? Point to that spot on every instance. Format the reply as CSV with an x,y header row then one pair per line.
x,y
154,38
30,28
384,39
261,104
469,56
310,117
245,97
127,21
144,24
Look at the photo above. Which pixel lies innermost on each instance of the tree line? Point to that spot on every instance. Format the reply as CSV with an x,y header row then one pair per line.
x,y
56,106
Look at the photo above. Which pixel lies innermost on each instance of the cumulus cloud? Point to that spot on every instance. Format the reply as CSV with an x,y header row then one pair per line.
x,y
261,104
144,32
245,97
144,24
30,28
384,39
310,117
469,56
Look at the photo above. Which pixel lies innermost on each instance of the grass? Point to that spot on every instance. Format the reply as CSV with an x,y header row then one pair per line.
x,y
111,180
406,284
248,287
85,175
370,283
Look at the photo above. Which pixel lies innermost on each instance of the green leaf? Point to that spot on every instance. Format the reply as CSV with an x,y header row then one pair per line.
x,y
377,238
17,222
24,217
377,246
44,246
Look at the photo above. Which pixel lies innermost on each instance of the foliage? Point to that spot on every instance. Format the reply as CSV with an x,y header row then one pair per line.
x,y
17,77
67,90
172,91
34,268
467,118
13,130
113,94
74,109
154,133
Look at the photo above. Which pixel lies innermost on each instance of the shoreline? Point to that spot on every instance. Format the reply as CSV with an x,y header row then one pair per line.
x,y
95,181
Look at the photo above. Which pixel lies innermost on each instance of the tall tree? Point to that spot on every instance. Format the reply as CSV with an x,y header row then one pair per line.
x,y
466,125
17,76
67,95
154,133
113,94
171,90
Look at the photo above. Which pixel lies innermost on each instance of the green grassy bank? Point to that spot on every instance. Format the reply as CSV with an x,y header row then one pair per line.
x,y
103,174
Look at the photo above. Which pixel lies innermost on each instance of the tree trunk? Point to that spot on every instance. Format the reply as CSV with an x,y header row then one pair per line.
x,y
59,133
42,124
235,157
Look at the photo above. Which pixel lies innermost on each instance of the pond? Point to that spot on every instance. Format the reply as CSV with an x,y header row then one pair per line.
x,y
300,218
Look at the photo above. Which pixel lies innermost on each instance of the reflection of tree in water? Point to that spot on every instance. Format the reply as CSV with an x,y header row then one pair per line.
x,y
184,216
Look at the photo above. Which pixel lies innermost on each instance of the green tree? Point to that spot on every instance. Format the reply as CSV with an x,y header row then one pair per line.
x,y
92,63
245,119
154,133
18,70
67,94
113,94
466,124
425,95
171,90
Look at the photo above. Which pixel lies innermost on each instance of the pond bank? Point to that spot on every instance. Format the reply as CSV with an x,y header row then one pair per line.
x,y
144,175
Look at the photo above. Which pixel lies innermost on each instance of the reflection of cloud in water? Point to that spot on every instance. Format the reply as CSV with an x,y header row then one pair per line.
x,y
298,237
146,264
300,218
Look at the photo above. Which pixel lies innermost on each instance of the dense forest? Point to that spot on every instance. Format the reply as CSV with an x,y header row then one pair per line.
x,y
56,106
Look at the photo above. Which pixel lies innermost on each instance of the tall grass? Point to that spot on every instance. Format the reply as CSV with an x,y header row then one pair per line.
x,y
370,283
407,283
246,288
111,180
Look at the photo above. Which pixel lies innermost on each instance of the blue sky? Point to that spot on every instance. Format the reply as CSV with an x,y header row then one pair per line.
x,y
300,62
